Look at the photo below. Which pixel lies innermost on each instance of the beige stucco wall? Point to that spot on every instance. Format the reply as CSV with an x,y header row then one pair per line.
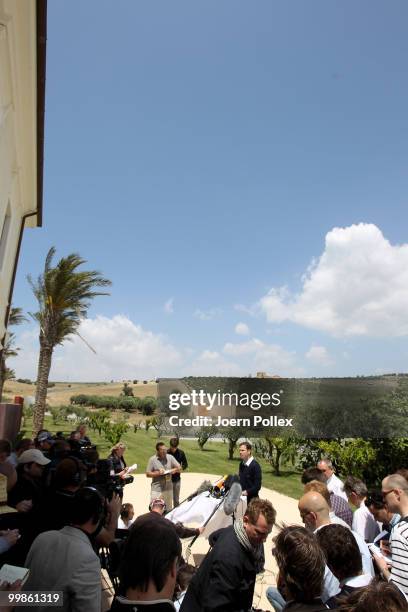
x,y
18,129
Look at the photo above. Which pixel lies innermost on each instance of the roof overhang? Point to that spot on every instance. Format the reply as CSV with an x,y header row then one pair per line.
x,y
41,19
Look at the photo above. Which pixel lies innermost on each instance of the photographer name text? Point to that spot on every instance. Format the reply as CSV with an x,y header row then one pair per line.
x,y
219,421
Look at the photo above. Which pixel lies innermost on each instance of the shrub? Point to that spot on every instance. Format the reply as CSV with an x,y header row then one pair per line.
x,y
148,405
127,391
80,399
113,432
129,404
97,420
55,413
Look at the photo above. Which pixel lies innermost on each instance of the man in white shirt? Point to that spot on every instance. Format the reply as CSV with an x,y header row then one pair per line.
x,y
334,484
363,521
314,511
320,487
395,494
344,559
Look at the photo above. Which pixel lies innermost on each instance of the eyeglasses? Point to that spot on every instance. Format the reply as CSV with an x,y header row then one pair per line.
x,y
385,493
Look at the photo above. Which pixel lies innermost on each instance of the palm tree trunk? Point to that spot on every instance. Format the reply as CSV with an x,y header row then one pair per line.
x,y
44,366
2,373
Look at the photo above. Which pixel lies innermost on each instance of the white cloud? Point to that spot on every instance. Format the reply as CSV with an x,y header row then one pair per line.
x,y
207,315
249,310
169,306
123,350
319,355
212,363
270,358
242,329
243,348
357,287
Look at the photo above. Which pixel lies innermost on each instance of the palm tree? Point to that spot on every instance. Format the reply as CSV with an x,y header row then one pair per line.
x,y
64,295
16,317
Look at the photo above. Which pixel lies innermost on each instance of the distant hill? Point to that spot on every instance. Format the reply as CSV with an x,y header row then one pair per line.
x,y
62,391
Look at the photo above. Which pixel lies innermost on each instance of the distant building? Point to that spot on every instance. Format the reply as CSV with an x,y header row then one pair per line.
x,y
22,94
265,375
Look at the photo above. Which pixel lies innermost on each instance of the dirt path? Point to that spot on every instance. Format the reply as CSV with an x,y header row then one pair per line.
x,y
138,493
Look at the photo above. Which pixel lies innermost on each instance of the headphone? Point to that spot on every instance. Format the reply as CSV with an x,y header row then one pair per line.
x,y
80,475
157,502
91,498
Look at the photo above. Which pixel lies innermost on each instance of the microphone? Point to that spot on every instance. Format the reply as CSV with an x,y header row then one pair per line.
x,y
219,485
204,486
232,499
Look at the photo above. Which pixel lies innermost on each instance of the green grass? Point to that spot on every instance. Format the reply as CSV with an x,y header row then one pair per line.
x,y
212,460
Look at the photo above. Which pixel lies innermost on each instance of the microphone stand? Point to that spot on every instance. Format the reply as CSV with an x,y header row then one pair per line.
x,y
188,550
189,498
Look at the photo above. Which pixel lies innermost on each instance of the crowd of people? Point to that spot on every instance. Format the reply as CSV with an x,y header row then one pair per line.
x,y
61,504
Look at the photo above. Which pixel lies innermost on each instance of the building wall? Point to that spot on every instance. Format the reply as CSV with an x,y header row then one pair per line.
x,y
18,135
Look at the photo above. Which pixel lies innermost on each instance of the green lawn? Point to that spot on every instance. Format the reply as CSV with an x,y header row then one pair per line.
x,y
213,459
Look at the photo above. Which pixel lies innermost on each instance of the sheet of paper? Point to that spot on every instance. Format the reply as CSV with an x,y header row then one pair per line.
x,y
377,551
11,573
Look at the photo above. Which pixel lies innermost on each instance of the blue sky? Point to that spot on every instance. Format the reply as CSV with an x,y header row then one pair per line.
x,y
206,155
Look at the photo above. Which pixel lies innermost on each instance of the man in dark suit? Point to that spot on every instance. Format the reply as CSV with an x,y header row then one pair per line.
x,y
179,456
250,473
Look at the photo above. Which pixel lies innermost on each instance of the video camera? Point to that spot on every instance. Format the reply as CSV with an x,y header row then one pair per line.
x,y
106,483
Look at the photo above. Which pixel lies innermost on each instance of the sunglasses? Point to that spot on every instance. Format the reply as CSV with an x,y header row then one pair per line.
x,y
385,493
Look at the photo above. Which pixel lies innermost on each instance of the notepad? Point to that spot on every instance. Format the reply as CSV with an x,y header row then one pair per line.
x,y
11,573
131,468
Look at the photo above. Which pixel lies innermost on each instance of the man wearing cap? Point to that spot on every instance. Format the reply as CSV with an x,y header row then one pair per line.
x,y
29,488
26,497
44,442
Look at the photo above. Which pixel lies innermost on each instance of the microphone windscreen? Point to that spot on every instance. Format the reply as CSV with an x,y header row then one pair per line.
x,y
230,480
232,499
204,486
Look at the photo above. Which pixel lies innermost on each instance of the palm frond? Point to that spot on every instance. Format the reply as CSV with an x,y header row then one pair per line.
x,y
16,316
64,295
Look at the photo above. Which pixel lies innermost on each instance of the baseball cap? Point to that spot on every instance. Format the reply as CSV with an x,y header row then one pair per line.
x,y
45,435
33,455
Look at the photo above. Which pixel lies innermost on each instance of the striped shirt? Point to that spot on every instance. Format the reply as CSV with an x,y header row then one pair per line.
x,y
399,549
341,508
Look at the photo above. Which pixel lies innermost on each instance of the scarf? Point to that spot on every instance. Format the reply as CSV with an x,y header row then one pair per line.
x,y
256,552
